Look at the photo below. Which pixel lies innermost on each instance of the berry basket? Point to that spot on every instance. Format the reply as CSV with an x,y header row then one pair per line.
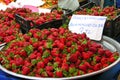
x,y
26,24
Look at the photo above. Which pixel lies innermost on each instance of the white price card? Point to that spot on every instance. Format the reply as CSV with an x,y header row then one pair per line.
x,y
91,25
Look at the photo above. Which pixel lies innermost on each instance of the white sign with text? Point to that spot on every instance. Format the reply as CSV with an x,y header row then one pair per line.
x,y
91,25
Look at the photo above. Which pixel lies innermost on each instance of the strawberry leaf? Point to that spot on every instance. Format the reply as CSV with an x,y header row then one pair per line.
x,y
29,49
45,54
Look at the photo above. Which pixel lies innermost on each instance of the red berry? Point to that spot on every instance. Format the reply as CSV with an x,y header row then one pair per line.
x,y
40,65
25,70
32,56
59,74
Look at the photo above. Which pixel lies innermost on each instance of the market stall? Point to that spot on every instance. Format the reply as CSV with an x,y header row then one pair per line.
x,y
47,45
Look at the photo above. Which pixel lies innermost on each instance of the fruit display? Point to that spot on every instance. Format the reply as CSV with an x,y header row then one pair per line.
x,y
55,53
109,12
49,3
51,52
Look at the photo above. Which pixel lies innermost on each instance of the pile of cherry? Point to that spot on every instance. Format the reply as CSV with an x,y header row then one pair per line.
x,y
49,52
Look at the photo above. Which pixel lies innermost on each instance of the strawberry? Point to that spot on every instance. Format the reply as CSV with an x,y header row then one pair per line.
x,y
40,65
55,34
61,46
73,57
101,51
27,64
93,49
61,30
45,60
50,74
104,60
95,13
55,52
32,56
49,68
69,43
105,65
37,75
83,35
98,58
96,45
40,49
65,66
98,66
59,74
85,55
108,53
51,37
112,59
88,65
62,40
80,48
19,61
57,59
23,54
78,63
25,70
90,71
83,67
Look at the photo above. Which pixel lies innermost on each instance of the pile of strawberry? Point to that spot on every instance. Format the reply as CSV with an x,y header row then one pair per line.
x,y
9,28
55,53
42,18
109,12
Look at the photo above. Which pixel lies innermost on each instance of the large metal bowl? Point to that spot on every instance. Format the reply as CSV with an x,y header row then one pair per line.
x,y
106,42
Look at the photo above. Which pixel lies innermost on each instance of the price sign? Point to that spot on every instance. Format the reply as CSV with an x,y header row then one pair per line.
x,y
91,25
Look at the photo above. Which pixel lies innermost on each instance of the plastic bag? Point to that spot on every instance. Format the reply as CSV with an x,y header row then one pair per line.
x,y
68,4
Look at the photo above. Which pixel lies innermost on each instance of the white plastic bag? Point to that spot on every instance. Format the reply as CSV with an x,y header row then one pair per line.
x,y
68,4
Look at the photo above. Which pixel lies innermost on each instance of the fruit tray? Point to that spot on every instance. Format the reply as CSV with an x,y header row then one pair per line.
x,y
106,42
112,27
26,24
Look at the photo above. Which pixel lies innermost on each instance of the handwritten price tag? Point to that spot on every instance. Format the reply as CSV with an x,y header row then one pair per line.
x,y
91,25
